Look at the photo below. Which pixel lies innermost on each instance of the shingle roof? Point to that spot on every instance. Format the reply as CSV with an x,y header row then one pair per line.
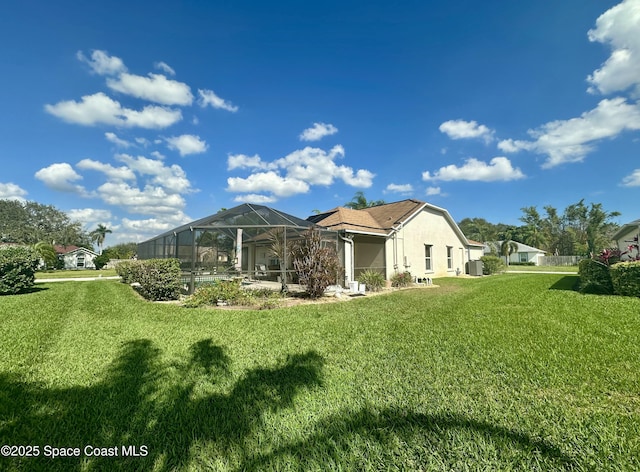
x,y
378,220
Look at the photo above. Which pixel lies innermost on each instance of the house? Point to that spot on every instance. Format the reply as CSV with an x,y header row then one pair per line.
x,y
626,239
524,255
409,235
75,257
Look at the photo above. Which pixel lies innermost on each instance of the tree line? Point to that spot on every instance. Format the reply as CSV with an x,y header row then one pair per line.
x,y
580,229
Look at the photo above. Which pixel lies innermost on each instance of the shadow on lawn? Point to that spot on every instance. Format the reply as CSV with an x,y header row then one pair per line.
x,y
169,408
568,282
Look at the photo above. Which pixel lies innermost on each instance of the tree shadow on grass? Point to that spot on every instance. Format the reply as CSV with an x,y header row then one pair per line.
x,y
190,413
26,291
143,402
345,441
568,282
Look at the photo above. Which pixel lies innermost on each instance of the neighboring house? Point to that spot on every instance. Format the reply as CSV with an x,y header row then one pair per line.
x,y
75,257
524,254
409,235
626,239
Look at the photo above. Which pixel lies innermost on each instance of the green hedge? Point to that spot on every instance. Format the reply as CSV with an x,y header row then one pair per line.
x,y
159,279
17,269
129,271
625,278
594,277
492,265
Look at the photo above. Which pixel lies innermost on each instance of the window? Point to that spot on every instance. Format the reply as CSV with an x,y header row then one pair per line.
x,y
524,257
449,257
80,260
428,266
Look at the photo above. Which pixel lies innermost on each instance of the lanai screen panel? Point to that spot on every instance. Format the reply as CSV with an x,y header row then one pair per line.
x,y
212,243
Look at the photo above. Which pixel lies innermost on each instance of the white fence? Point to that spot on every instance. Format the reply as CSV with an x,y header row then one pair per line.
x,y
559,260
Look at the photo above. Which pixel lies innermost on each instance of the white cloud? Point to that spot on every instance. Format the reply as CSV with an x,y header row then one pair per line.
x,y
164,67
113,138
317,167
144,142
267,182
399,188
619,28
208,97
460,129
59,177
317,132
143,229
100,109
431,191
571,140
498,169
154,88
632,180
242,161
151,200
114,173
11,191
173,179
254,198
187,144
102,63
154,225
90,217
301,169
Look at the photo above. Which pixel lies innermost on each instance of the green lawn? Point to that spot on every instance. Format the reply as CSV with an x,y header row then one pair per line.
x,y
63,274
498,373
521,268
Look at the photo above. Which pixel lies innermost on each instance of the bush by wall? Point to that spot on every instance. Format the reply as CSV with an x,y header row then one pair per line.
x,y
594,277
401,279
625,278
17,269
492,265
100,261
373,279
160,279
129,271
316,264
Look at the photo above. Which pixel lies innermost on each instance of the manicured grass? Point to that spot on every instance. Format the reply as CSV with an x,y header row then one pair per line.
x,y
520,268
510,372
75,274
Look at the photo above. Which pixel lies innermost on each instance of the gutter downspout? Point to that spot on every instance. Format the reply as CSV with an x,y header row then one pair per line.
x,y
395,245
351,256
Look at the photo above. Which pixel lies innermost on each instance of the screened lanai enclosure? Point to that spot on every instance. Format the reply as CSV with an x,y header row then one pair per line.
x,y
252,242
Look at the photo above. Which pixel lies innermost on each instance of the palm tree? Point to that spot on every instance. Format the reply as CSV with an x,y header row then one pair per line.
x,y
99,234
507,248
359,201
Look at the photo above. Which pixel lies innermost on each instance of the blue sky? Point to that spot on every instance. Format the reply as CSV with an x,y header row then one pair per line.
x,y
146,115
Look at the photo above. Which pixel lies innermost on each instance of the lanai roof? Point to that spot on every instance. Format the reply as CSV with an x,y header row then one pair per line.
x,y
252,218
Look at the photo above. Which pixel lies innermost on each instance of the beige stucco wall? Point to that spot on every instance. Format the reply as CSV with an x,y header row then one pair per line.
x,y
624,242
406,251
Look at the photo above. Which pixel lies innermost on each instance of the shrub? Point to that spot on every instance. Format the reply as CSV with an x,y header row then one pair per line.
x,y
625,278
610,256
401,279
101,261
160,279
129,271
316,264
594,277
373,279
492,265
17,269
230,292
